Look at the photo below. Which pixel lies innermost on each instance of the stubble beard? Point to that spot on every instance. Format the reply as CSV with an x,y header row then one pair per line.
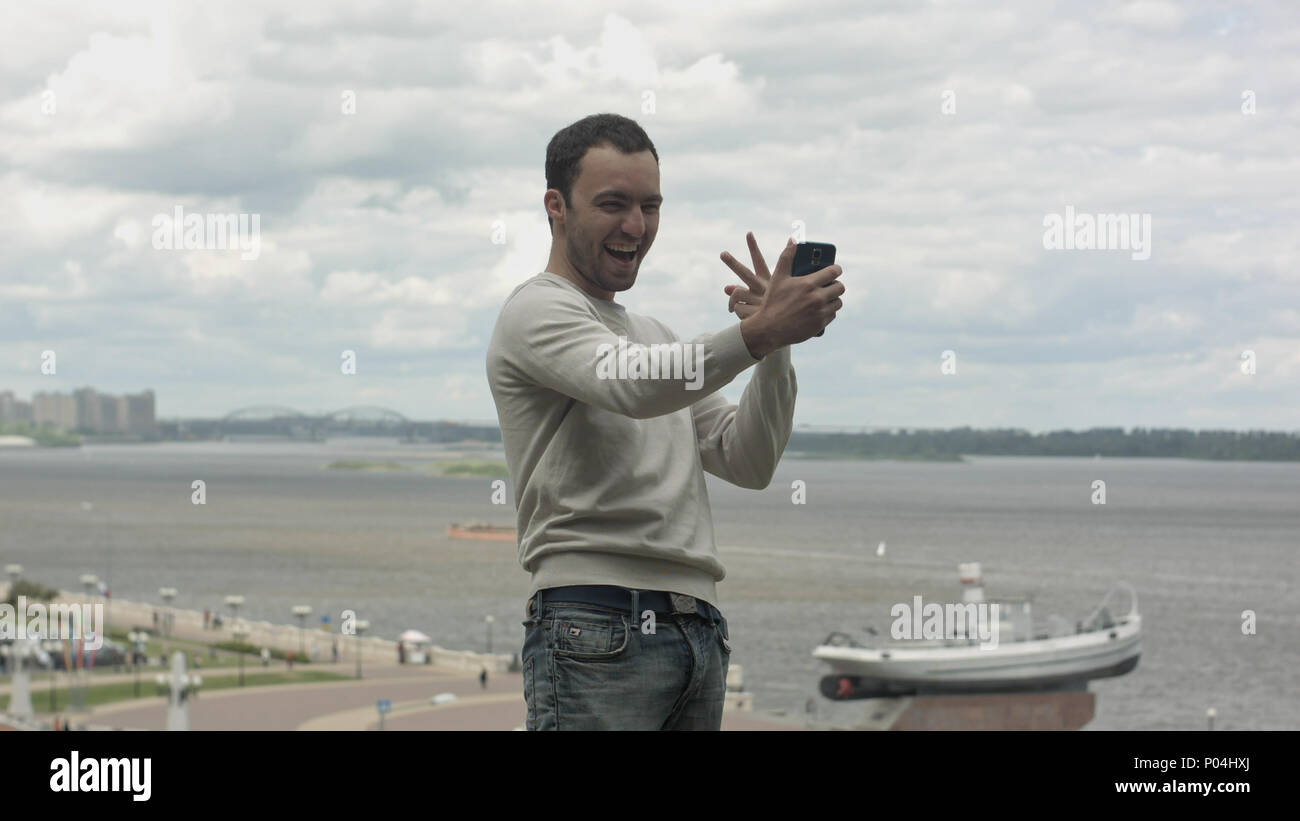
x,y
589,268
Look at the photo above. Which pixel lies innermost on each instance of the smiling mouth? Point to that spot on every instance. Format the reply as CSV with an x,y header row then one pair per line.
x,y
621,256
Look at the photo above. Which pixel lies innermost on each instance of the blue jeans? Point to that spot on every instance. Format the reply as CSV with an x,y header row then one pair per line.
x,y
588,667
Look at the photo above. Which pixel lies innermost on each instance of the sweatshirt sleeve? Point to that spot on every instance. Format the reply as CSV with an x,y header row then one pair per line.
x,y
743,443
554,339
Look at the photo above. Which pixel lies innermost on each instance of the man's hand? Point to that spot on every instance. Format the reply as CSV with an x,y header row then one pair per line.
x,y
745,301
776,309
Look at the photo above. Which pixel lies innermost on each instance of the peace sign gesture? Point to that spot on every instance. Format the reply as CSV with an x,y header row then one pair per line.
x,y
745,301
780,309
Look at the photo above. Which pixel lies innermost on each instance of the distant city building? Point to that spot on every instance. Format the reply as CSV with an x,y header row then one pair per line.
x,y
139,411
13,409
89,415
54,409
84,409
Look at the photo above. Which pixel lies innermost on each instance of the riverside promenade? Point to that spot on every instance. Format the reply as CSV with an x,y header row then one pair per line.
x,y
462,703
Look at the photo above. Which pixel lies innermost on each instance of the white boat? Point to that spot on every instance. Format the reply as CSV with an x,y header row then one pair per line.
x,y
1099,646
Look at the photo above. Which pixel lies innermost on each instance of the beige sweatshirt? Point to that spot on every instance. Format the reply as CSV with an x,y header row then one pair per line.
x,y
607,469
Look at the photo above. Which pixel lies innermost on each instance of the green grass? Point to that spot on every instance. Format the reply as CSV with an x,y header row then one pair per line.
x,y
361,464
125,690
492,470
46,435
875,457
226,657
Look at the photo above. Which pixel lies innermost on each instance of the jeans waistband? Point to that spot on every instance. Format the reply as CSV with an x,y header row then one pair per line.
x,y
621,598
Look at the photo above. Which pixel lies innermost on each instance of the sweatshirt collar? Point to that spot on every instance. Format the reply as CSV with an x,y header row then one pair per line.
x,y
598,302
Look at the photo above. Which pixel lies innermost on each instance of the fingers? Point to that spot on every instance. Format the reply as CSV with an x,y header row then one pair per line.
x,y
760,266
785,262
742,272
825,275
831,311
738,296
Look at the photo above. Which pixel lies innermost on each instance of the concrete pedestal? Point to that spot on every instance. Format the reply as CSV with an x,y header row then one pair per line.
x,y
991,711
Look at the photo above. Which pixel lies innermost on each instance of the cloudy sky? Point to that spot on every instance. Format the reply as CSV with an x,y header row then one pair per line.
x,y
382,144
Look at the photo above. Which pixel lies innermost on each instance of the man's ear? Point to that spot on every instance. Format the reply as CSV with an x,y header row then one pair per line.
x,y
553,196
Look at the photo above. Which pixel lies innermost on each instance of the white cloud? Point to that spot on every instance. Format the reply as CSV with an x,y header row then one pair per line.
x,y
377,227
1157,15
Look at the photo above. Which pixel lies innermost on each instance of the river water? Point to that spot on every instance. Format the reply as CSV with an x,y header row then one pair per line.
x,y
1202,542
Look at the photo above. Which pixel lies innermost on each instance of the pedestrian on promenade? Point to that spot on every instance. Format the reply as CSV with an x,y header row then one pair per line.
x,y
207,618
266,657
622,630
334,651
482,679
155,620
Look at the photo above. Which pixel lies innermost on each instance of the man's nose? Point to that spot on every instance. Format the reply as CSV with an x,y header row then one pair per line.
x,y
634,226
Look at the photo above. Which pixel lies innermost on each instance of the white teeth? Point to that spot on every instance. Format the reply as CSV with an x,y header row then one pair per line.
x,y
623,248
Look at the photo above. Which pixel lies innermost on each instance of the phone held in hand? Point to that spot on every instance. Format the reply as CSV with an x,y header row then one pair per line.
x,y
810,257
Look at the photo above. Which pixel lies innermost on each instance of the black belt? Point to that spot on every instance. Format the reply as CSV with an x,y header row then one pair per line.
x,y
621,598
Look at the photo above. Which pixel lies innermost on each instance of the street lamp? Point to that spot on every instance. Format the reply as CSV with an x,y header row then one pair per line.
x,y
89,507
77,693
361,627
240,632
301,612
488,619
234,603
137,639
167,594
14,571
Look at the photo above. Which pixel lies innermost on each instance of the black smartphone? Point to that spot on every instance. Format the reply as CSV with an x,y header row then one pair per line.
x,y
812,256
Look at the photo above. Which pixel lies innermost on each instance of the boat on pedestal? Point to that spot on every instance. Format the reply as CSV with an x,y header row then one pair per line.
x,y
1023,659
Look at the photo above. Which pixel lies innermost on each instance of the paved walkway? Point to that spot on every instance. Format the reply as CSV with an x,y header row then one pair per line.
x,y
351,705
40,680
339,705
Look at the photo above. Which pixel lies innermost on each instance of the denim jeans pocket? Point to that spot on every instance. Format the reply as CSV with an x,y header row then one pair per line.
x,y
530,696
721,632
590,634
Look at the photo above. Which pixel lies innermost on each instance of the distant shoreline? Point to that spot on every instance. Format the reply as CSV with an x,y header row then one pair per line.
x,y
491,470
881,457
893,444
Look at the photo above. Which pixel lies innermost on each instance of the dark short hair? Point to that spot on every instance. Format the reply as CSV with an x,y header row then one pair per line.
x,y
570,144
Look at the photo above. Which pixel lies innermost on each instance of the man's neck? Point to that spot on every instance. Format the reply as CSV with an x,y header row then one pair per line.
x,y
559,266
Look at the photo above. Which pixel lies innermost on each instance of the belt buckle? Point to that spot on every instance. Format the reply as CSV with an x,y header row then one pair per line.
x,y
682,603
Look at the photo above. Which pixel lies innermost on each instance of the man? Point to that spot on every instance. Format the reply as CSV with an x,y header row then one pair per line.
x,y
622,627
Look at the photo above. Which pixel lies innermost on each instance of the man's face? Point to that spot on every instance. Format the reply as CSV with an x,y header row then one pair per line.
x,y
615,204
